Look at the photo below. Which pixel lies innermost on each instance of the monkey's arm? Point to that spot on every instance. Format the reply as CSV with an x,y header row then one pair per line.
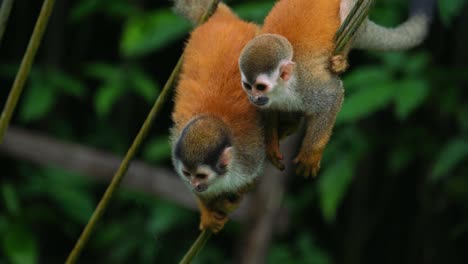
x,y
214,212
319,127
271,119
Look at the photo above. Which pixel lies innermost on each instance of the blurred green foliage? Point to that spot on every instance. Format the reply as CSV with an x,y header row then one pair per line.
x,y
393,184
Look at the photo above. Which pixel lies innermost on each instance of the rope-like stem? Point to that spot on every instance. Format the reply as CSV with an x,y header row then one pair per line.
x,y
351,24
196,247
25,66
117,178
4,14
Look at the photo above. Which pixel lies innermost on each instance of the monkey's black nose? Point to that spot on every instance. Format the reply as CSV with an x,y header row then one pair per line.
x,y
201,188
260,100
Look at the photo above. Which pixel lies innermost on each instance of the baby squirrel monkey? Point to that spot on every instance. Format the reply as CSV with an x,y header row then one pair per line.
x,y
289,67
217,138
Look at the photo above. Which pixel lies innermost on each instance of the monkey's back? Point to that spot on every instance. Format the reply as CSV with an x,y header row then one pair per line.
x,y
210,77
310,25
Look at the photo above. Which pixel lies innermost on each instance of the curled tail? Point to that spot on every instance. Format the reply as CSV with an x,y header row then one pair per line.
x,y
405,36
193,10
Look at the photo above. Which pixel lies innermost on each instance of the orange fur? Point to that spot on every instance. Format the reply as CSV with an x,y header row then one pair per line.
x,y
210,84
309,25
210,78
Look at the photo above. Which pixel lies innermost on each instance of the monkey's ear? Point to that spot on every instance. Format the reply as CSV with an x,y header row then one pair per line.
x,y
225,157
286,70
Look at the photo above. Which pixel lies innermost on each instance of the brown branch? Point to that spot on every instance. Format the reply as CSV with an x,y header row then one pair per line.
x,y
266,211
46,151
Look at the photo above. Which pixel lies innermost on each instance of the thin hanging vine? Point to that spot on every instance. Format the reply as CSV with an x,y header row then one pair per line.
x,y
25,66
117,178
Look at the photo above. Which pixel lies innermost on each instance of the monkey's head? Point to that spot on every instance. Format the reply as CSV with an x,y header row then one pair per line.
x,y
265,65
203,154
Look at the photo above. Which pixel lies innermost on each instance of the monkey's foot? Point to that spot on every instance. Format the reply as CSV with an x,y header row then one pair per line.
x,y
213,221
275,156
338,64
307,165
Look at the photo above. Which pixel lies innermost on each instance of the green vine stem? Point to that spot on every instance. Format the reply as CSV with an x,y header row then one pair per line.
x,y
196,247
117,178
351,24
25,66
4,14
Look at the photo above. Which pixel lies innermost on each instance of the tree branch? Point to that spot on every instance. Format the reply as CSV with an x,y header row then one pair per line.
x,y
266,210
46,151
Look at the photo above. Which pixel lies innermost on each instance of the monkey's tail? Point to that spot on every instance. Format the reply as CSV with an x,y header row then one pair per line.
x,y
407,35
193,10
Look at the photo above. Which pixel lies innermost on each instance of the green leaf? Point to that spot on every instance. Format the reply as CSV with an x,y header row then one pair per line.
x,y
19,245
409,95
416,64
279,254
107,96
448,10
121,9
364,102
77,204
463,118
157,150
67,84
10,197
163,218
103,71
151,32
333,185
38,100
83,9
400,157
144,85
256,11
451,155
310,252
363,77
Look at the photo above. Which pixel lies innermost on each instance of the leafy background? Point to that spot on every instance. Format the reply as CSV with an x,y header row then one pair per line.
x,y
394,181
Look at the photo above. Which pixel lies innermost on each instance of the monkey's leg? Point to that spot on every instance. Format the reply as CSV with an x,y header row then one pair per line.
x,y
210,218
318,130
215,212
272,139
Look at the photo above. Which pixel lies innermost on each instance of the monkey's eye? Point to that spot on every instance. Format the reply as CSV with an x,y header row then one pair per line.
x,y
261,87
201,176
186,173
247,86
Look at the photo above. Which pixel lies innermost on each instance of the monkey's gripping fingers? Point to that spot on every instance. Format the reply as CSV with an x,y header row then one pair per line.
x,y
308,165
213,220
275,156
338,64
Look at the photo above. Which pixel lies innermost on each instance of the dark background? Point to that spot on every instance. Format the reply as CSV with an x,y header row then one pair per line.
x,y
393,187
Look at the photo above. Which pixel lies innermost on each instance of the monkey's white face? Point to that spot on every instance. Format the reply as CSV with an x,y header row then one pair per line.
x,y
258,92
268,87
198,180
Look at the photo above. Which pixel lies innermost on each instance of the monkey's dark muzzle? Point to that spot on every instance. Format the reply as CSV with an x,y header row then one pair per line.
x,y
201,188
259,101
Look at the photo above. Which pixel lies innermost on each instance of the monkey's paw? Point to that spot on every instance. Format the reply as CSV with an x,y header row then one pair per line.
x,y
308,165
213,221
338,64
275,156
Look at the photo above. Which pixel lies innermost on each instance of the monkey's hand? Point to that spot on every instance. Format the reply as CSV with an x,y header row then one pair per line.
x,y
308,164
272,140
215,215
274,155
213,220
338,64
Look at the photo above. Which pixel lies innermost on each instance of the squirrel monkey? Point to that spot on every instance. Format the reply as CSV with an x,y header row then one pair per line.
x,y
289,67
217,138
